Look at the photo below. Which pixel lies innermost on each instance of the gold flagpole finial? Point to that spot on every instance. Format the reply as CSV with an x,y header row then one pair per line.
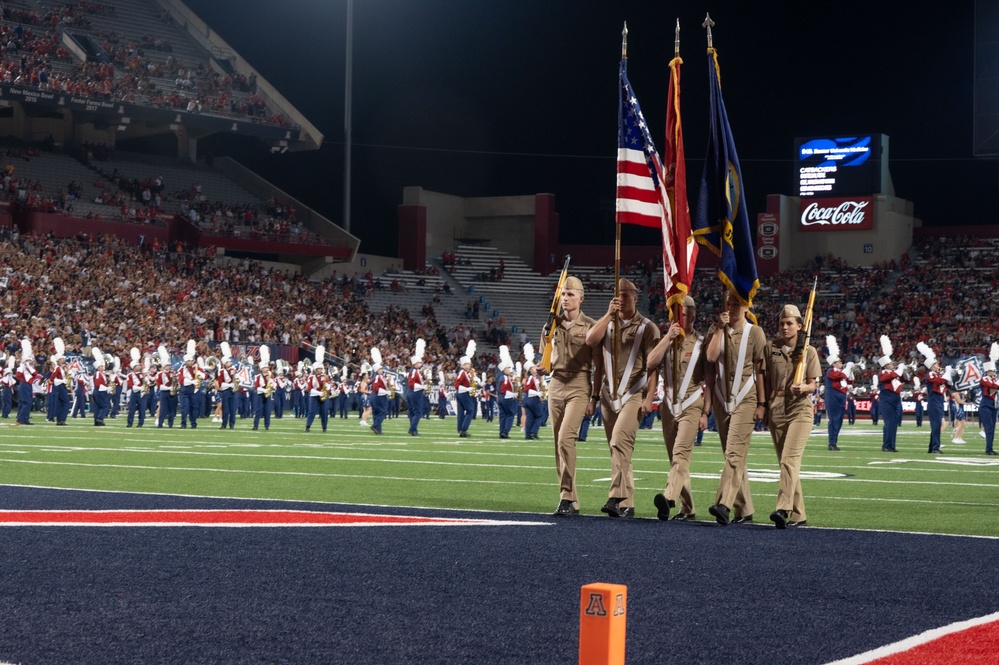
x,y
676,42
708,23
624,41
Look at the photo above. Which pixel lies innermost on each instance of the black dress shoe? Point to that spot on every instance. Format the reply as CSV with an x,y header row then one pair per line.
x,y
504,436
463,435
991,452
683,517
792,525
743,520
628,513
936,452
779,518
833,447
662,505
720,513
565,509
254,427
611,508
222,427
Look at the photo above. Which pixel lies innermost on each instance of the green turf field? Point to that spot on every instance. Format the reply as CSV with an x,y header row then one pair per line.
x,y
858,487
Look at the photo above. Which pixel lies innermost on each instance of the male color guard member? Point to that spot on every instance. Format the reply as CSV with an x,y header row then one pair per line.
x,y
739,402
571,393
683,410
625,394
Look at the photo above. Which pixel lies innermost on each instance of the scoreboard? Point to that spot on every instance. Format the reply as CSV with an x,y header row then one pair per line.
x,y
836,167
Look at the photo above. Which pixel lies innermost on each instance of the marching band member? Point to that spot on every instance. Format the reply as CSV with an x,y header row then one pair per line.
x,y
264,386
164,386
890,380
134,387
441,396
298,400
188,379
936,384
282,384
416,399
625,393
60,380
26,376
117,381
837,385
243,389
684,410
226,381
789,410
739,401
7,383
102,387
507,394
532,394
919,395
342,403
379,392
987,408
463,386
316,387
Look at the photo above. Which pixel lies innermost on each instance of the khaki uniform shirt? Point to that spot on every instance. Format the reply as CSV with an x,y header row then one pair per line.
x,y
571,357
780,366
629,331
754,352
696,377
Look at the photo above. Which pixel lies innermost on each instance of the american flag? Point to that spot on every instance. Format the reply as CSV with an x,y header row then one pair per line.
x,y
642,198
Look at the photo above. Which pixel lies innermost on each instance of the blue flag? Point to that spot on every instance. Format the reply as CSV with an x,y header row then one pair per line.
x,y
722,222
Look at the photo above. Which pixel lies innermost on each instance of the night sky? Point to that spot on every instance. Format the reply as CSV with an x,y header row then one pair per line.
x,y
518,97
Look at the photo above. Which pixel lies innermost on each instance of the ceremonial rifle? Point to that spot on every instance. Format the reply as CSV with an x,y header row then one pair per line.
x,y
799,371
548,332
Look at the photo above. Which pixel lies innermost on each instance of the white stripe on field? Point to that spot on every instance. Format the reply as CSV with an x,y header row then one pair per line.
x,y
915,641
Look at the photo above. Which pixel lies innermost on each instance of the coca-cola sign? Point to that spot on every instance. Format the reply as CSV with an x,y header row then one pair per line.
x,y
855,213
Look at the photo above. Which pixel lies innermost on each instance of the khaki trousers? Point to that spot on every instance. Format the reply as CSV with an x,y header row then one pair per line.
x,y
736,431
621,428
790,437
679,435
567,404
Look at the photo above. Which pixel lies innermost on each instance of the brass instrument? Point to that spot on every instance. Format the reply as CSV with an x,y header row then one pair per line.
x,y
475,386
392,383
324,392
518,384
175,386
269,388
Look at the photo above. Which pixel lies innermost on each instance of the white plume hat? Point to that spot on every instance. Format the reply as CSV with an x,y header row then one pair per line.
x,y
833,347
27,353
928,353
60,348
192,348
506,362
886,350
135,356
320,355
265,355
226,353
528,356
469,353
98,357
376,359
990,364
417,356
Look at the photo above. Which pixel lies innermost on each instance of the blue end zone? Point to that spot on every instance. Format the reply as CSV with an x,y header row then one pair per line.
x,y
696,592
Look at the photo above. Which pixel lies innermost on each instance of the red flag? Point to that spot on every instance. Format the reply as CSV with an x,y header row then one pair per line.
x,y
679,248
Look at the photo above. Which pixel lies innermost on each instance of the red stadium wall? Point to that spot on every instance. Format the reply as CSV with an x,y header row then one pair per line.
x,y
413,236
62,226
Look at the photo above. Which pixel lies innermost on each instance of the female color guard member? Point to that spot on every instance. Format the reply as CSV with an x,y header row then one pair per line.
x,y
789,410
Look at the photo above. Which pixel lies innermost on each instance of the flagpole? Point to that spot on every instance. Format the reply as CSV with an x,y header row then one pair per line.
x,y
617,259
727,378
678,315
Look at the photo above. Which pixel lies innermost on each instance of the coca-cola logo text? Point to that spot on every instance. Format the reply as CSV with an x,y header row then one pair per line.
x,y
836,214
